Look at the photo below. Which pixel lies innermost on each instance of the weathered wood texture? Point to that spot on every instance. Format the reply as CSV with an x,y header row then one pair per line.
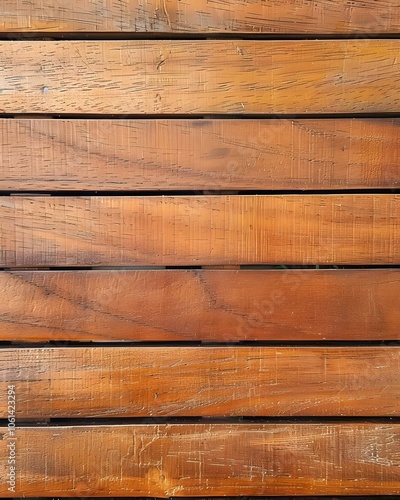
x,y
202,381
202,16
205,459
199,154
210,76
199,230
223,306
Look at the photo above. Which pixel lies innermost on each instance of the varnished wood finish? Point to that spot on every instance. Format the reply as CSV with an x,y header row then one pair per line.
x,y
209,459
199,154
150,98
201,16
224,306
202,381
210,76
199,230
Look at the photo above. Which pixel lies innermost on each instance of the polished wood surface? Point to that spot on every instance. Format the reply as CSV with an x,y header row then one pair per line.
x,y
159,460
202,381
253,154
201,16
220,306
249,145
197,77
199,230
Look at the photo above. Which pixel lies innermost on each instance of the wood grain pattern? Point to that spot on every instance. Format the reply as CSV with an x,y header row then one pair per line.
x,y
196,230
207,459
202,381
209,76
201,16
224,306
43,154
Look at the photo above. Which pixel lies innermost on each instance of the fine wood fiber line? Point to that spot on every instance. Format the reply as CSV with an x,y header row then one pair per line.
x,y
200,77
164,460
201,16
223,306
199,230
202,381
251,154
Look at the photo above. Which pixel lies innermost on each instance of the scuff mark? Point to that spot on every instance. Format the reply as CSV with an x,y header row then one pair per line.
x,y
166,13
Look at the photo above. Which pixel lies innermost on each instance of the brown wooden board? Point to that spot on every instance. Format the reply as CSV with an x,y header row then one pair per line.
x,y
202,381
199,230
201,16
253,154
223,306
204,459
197,77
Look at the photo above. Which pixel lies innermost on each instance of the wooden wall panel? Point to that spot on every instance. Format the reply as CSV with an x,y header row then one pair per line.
x,y
178,154
201,16
199,230
150,97
205,459
197,77
224,306
202,381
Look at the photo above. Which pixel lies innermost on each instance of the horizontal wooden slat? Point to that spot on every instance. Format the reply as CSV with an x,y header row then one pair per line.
x,y
295,305
199,154
199,230
205,459
202,381
209,76
201,16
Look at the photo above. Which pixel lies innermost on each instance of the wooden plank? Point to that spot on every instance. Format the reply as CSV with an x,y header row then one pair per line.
x,y
202,381
158,460
209,76
224,306
199,230
199,154
201,16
